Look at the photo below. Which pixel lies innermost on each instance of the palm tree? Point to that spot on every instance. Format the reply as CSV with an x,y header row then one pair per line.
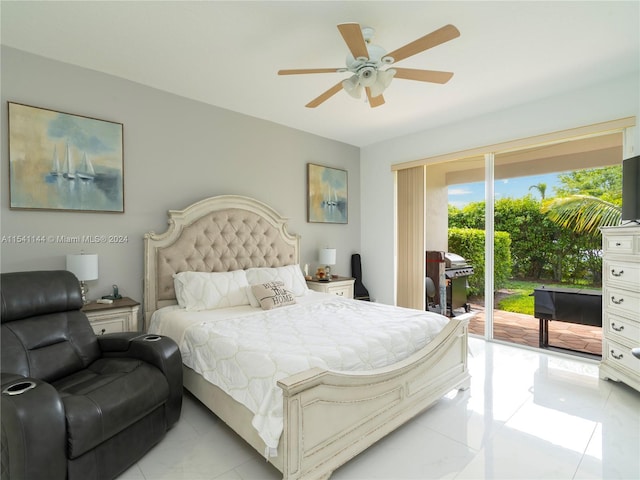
x,y
582,214
541,187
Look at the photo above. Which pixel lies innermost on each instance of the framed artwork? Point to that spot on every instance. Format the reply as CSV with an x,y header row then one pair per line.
x,y
327,194
60,161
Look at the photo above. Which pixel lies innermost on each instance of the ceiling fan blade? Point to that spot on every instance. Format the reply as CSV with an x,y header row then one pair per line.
x,y
442,35
300,71
325,96
432,76
374,101
352,35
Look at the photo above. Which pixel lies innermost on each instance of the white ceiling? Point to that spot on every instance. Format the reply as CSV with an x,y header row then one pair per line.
x,y
227,53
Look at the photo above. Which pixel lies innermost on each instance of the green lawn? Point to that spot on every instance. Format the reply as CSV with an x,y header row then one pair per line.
x,y
519,298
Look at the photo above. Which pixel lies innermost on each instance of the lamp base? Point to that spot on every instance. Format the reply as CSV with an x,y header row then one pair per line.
x,y
84,290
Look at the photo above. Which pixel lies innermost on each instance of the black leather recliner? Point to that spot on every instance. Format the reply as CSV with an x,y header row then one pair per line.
x,y
76,405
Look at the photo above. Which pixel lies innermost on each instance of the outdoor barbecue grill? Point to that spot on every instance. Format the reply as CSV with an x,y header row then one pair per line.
x,y
455,270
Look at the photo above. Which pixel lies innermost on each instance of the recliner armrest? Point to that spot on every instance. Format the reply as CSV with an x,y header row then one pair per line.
x,y
160,351
33,429
116,342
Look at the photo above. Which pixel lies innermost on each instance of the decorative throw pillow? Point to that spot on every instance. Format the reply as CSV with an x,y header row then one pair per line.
x,y
291,276
272,295
207,291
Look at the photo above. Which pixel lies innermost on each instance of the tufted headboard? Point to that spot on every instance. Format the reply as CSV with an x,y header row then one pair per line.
x,y
217,234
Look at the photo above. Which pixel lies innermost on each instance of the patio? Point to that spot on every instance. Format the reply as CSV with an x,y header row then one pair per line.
x,y
524,330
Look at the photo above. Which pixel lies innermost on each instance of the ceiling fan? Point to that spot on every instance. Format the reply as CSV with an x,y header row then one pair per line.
x,y
366,61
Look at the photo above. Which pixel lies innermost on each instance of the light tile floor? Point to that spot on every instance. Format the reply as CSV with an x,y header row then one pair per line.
x,y
527,415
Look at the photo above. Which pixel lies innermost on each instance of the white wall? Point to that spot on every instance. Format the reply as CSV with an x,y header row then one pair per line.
x,y
614,99
176,151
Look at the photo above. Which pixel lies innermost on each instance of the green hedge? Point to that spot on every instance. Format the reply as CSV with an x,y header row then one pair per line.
x,y
469,244
540,249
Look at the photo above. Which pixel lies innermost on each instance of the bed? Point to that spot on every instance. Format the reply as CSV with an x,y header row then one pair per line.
x,y
328,416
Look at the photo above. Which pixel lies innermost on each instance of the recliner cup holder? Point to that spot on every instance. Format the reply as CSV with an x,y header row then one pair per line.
x,y
19,388
152,338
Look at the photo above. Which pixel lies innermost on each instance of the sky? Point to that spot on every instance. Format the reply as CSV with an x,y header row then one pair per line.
x,y
461,195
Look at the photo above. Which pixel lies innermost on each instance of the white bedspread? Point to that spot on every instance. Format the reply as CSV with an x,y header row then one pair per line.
x,y
245,350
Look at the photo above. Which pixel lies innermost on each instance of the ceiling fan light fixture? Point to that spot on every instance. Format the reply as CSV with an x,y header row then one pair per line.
x,y
352,86
367,76
383,80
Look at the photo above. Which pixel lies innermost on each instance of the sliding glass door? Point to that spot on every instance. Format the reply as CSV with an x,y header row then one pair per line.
x,y
496,222
457,188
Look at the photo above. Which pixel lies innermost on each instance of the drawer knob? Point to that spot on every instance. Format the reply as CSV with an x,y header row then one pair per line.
x,y
617,329
618,244
103,331
617,274
617,357
617,302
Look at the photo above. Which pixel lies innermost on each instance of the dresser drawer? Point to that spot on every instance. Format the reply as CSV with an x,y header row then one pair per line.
x,y
621,301
621,329
622,274
621,356
619,244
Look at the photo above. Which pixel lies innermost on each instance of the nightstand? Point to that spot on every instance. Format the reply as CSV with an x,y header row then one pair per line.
x,y
342,286
119,316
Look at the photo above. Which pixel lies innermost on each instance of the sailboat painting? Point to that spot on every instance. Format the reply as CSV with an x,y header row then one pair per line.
x,y
61,161
327,194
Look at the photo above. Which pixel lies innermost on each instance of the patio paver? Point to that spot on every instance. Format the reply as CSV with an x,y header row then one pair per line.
x,y
524,330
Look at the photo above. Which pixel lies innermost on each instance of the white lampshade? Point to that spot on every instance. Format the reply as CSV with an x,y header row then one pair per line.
x,y
352,86
327,256
383,80
83,266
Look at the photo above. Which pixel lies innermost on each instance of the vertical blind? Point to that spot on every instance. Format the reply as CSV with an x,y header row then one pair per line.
x,y
410,270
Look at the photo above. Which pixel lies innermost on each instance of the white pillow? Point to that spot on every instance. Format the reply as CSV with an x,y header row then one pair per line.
x,y
210,290
272,295
291,276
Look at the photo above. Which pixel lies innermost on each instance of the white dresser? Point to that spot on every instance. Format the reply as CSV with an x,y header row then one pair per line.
x,y
621,304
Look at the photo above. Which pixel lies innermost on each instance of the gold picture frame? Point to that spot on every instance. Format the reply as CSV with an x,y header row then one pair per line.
x,y
61,161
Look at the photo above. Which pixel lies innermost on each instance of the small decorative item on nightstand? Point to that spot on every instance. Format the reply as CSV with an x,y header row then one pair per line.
x,y
119,316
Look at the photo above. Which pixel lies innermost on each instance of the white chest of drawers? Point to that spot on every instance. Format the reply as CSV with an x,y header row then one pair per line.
x,y
621,304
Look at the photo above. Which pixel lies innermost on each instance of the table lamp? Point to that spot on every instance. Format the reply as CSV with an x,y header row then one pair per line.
x,y
327,257
85,267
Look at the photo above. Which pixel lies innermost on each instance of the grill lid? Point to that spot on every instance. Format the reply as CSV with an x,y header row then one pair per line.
x,y
454,261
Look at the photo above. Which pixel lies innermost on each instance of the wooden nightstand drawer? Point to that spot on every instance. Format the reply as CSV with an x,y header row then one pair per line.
x,y
119,316
110,326
341,290
342,286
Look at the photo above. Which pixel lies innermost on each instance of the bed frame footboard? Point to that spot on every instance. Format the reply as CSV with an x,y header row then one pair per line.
x,y
330,417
